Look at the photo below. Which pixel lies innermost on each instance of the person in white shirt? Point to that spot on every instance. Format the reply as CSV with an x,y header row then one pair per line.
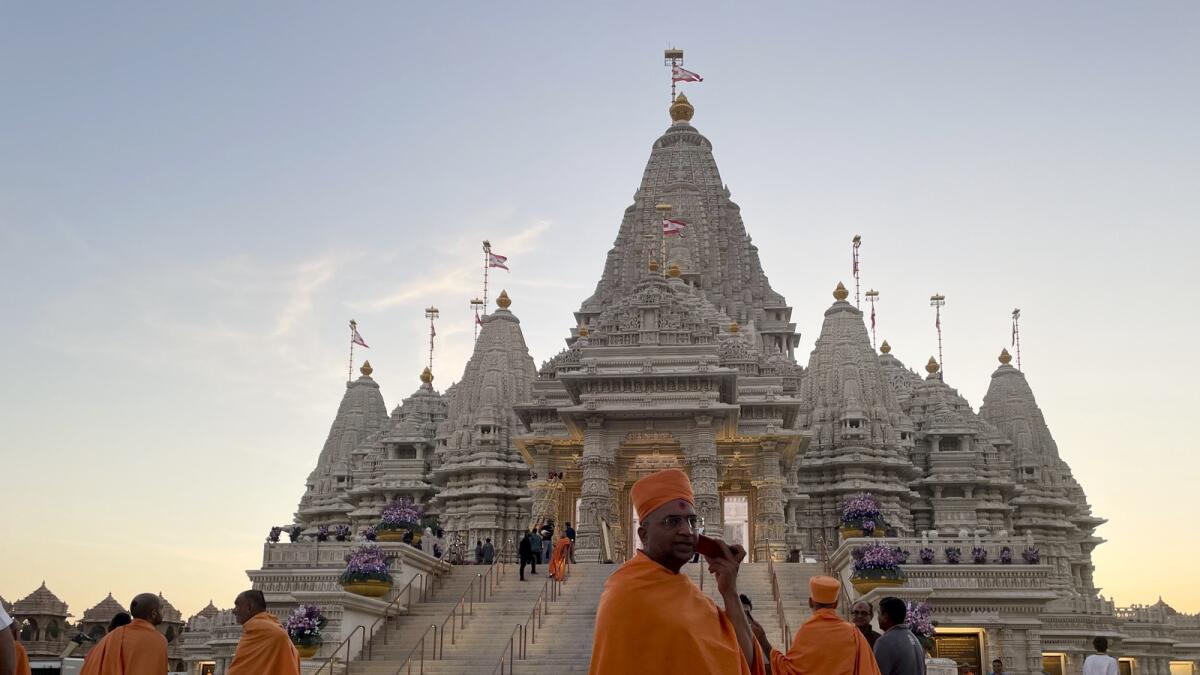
x,y
8,647
1100,663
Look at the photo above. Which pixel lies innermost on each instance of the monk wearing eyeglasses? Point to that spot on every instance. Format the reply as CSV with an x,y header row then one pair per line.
x,y
652,619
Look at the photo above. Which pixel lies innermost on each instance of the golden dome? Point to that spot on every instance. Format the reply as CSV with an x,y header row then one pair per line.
x,y
885,348
734,327
840,293
1005,357
426,376
674,271
932,367
682,110
653,265
583,331
503,301
366,369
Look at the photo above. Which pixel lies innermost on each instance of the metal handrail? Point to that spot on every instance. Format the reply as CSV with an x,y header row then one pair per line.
x,y
784,629
510,651
345,643
420,643
528,630
387,611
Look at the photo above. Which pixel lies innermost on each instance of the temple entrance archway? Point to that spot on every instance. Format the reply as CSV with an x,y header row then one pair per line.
x,y
736,512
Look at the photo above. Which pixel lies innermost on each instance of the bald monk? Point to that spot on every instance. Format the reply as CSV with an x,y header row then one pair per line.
x,y
825,644
652,619
135,649
265,648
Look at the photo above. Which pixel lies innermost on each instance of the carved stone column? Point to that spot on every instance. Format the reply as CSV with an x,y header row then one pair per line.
x,y
595,498
704,470
769,509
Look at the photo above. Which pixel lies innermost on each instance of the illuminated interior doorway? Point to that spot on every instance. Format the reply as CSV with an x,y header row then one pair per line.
x,y
1053,663
1182,668
737,520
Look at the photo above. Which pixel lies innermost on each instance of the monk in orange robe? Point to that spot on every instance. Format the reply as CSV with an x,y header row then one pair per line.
x,y
135,649
265,648
558,559
22,655
826,644
652,619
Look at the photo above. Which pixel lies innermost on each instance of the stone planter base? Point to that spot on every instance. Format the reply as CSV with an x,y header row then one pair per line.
x,y
370,588
864,586
309,651
390,535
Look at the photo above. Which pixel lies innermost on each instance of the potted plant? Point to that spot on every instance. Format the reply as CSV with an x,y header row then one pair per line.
x,y
304,626
366,572
926,555
1032,555
860,512
369,533
399,516
921,625
341,533
953,555
294,533
878,566
1005,555
901,555
322,533
979,555
273,535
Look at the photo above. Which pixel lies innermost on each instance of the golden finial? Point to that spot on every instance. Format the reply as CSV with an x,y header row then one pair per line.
x,y
583,330
682,110
932,367
426,376
885,347
840,293
503,301
674,271
734,327
653,265
1005,357
366,369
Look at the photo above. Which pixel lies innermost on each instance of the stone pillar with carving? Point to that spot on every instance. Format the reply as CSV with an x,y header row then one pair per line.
x,y
541,488
595,498
704,470
769,520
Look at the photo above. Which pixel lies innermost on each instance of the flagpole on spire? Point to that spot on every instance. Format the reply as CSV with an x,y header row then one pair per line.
x,y
872,297
937,301
856,242
431,313
673,58
353,332
1016,334
664,213
487,259
476,305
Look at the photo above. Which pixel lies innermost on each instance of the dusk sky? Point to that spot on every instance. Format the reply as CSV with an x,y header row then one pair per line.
x,y
196,197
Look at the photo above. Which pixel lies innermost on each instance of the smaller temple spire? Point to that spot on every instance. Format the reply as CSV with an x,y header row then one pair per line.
x,y
885,347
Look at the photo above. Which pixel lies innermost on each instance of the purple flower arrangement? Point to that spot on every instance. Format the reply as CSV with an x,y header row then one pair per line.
x,y
860,508
901,555
366,563
369,533
918,619
868,527
953,555
1005,556
400,514
926,555
341,533
1032,555
294,533
304,625
273,535
322,533
877,560
979,555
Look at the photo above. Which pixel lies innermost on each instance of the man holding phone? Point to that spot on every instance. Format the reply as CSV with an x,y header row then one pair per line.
x,y
652,619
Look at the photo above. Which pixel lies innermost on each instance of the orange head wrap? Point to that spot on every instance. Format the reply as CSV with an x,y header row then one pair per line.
x,y
824,590
659,488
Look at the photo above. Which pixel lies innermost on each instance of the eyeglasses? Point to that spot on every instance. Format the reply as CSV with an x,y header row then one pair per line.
x,y
673,522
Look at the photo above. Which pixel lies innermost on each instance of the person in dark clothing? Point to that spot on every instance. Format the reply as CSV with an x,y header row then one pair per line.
x,y
489,552
861,614
570,532
478,552
525,551
897,651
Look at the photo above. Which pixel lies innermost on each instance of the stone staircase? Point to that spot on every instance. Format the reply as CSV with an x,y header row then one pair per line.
x,y
564,642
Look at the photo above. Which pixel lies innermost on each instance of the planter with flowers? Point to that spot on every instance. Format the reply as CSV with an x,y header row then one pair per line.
x,y
979,555
876,565
921,625
953,555
273,535
1005,556
399,516
927,555
366,572
1032,555
861,517
341,533
304,626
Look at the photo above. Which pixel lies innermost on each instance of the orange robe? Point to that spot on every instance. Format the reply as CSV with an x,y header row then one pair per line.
x,y
135,649
653,621
265,649
22,659
558,559
826,645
